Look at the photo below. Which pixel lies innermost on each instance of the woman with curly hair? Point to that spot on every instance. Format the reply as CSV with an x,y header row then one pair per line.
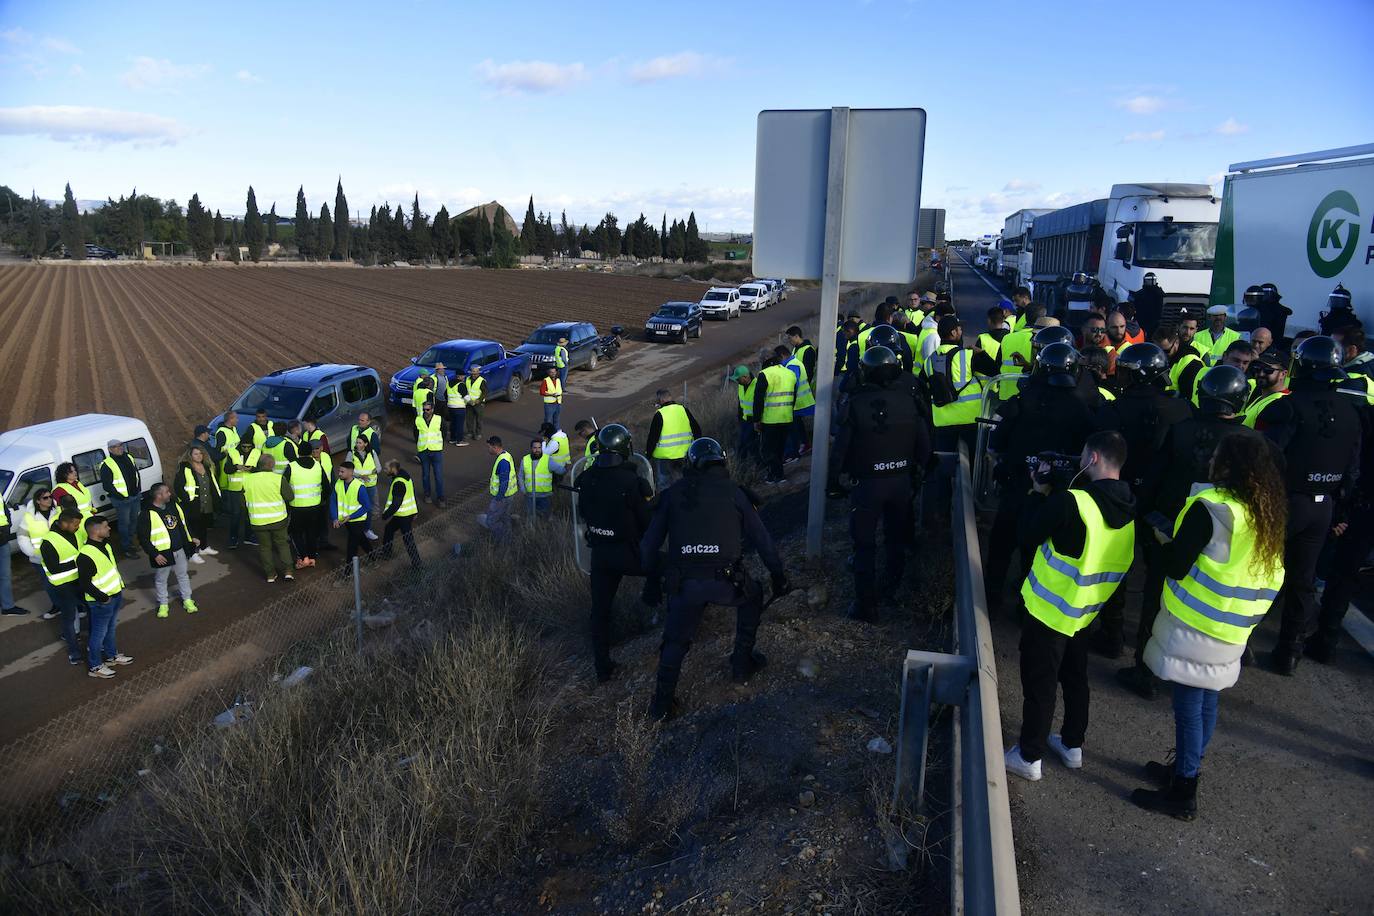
x,y
1224,568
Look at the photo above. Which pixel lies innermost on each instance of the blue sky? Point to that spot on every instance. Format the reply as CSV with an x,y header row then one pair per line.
x,y
652,107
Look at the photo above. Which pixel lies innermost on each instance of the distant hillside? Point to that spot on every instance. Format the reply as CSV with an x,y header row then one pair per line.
x,y
488,210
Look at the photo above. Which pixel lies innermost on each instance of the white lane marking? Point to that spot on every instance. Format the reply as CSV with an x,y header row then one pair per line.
x,y
980,276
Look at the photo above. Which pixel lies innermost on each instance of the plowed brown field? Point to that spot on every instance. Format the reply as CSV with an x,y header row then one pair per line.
x,y
175,345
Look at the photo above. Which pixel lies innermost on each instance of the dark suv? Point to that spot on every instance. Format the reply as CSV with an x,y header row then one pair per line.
x,y
674,321
582,344
330,394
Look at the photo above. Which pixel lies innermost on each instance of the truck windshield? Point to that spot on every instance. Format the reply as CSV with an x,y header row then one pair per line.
x,y
545,336
277,400
452,359
1189,246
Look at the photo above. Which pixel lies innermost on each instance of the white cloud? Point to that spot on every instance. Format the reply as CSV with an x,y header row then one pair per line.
x,y
59,45
244,76
90,126
1143,104
1231,128
76,70
674,66
17,36
1021,186
152,73
530,76
1143,136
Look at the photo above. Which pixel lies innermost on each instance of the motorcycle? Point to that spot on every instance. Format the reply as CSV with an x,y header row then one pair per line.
x,y
608,347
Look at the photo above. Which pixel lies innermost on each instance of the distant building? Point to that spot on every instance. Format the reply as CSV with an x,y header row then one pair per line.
x,y
930,230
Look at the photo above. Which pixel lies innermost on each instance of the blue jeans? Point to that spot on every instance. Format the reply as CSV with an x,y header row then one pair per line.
x,y
6,586
47,586
563,377
126,518
498,516
100,642
748,446
457,422
236,512
551,413
538,504
1195,718
432,465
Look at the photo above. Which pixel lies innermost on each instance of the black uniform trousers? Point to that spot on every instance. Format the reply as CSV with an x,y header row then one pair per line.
x,y
773,441
875,500
304,528
1002,542
685,608
1309,523
610,564
1153,593
358,543
1050,659
402,524
1349,554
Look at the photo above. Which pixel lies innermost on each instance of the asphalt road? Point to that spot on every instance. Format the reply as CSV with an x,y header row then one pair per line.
x,y
1285,821
36,683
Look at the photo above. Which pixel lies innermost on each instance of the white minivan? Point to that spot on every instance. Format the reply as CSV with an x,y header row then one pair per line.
x,y
29,456
720,302
755,297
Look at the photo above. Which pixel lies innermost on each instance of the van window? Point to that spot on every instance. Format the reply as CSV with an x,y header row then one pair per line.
x,y
369,387
325,401
29,481
139,451
88,466
352,390
484,358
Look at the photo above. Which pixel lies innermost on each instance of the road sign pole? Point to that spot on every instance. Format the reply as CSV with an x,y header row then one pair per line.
x,y
824,382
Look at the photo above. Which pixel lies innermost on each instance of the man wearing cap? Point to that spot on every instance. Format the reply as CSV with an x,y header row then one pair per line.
x,y
1270,373
1213,342
119,477
928,338
745,388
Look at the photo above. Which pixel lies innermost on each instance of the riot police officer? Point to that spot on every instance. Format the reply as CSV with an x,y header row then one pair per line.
x,y
613,500
1318,430
884,445
708,521
1181,461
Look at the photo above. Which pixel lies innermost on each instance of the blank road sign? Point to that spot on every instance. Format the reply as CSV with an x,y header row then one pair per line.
x,y
882,194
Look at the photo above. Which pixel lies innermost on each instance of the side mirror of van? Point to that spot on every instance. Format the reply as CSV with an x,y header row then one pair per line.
x,y
1123,252
1123,232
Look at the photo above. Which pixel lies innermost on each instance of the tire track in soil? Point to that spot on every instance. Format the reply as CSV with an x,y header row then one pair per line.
x,y
231,311
131,403
187,351
141,327
18,306
42,352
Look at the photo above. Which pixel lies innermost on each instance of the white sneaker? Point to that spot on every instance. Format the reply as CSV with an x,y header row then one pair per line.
x,y
120,659
370,534
209,551
103,671
1021,766
1072,756
197,558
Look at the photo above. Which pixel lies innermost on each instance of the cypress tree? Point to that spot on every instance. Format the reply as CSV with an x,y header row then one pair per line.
x,y
529,230
400,235
305,237
568,238
697,250
324,237
420,242
386,251
341,223
504,251
272,224
442,236
71,227
218,229
663,238
114,231
38,234
482,237
233,242
133,226
252,227
202,233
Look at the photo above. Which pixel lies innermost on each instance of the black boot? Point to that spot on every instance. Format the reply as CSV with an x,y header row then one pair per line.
x,y
1139,680
1161,774
1284,659
605,670
1321,647
1108,643
1179,800
664,705
744,667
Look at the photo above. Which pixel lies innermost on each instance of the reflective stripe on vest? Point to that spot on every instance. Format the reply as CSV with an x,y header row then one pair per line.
x,y
370,434
675,434
233,480
365,467
1065,593
1221,595
431,437
418,395
968,391
82,496
557,448
37,527
408,507
277,449
455,397
536,478
1253,411
477,390
262,494
805,399
746,398
512,485
1176,370
307,486
66,553
777,402
555,391
258,435
158,535
1014,344
106,578
346,495
192,490
121,485
1216,346
229,442
560,357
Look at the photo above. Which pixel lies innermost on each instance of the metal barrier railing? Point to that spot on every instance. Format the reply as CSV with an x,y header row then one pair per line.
x,y
984,861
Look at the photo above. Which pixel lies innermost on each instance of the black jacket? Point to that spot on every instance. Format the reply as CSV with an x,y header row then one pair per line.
x,y
676,502
48,553
1318,430
395,494
180,537
130,472
1056,515
85,572
656,424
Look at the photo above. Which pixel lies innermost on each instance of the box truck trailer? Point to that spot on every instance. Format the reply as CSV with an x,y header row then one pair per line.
x,y
1166,229
1304,223
1016,246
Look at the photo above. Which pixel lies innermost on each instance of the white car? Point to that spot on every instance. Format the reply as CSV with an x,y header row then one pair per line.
x,y
721,302
779,289
755,297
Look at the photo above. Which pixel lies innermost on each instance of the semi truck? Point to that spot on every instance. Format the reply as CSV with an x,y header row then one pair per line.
x,y
1015,266
1304,223
984,254
1166,229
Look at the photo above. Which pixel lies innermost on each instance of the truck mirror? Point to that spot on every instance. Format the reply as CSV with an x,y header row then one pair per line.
x,y
1123,232
1123,252
415,360
1247,319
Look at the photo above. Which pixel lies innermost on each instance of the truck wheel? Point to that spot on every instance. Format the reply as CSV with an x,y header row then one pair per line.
x,y
592,363
515,388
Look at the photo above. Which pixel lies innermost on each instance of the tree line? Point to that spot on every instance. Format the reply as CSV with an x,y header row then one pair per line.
x,y
389,234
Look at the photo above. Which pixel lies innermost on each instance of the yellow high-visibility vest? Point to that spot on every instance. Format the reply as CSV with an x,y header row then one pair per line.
x,y
262,493
66,553
777,402
347,498
675,434
535,477
1065,593
106,578
158,534
555,391
512,485
431,434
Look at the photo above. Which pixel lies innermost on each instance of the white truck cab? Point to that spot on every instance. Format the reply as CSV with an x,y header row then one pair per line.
x,y
1169,230
29,456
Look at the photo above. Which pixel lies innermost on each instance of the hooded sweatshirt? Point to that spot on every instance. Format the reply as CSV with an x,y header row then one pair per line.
x,y
1056,515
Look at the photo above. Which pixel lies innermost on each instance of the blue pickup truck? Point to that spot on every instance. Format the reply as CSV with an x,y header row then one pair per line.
x,y
506,375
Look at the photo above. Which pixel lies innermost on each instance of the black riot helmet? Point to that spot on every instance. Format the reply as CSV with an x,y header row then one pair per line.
x,y
704,453
1046,336
614,439
1318,358
1254,297
884,335
1057,363
1222,391
1142,364
1339,298
1270,292
879,365
1149,280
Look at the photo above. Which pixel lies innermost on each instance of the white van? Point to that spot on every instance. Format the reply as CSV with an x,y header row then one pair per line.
x,y
29,456
755,297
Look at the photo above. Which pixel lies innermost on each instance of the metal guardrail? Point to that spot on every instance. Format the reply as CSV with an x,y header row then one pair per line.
x,y
984,862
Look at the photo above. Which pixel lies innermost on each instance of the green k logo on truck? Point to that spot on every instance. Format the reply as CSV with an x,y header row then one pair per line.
x,y
1327,252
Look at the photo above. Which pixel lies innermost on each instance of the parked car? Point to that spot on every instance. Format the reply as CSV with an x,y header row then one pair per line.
x,y
674,321
100,252
331,394
720,302
506,373
754,296
779,288
29,456
583,349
